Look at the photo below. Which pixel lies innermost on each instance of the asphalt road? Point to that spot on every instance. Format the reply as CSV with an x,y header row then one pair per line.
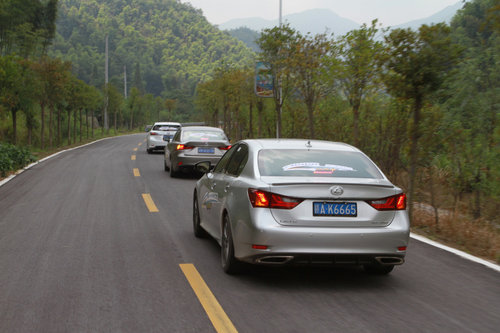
x,y
80,251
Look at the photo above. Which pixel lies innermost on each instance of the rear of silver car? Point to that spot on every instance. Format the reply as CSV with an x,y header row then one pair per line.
x,y
302,213
323,228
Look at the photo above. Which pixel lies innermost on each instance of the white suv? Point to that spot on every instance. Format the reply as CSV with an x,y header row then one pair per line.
x,y
159,135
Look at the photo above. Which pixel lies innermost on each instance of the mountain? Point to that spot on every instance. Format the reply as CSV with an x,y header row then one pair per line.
x,y
444,15
167,46
320,20
314,21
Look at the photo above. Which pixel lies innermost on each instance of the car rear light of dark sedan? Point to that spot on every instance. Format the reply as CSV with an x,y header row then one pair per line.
x,y
264,199
225,147
396,202
183,147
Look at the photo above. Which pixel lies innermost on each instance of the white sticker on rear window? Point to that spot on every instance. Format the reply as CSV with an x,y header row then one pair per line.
x,y
316,167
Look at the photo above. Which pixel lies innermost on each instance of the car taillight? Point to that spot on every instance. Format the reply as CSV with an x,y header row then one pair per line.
x,y
396,202
225,147
153,133
183,147
266,199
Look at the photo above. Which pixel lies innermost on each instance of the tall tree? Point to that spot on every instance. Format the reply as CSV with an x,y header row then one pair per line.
x,y
278,45
416,65
308,68
359,51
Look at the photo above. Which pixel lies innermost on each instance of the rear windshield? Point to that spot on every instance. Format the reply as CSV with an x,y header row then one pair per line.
x,y
166,127
201,135
316,163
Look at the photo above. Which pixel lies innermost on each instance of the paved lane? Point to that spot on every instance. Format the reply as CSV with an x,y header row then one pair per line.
x,y
80,252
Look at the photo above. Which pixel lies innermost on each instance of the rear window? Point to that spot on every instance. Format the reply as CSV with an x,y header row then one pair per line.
x,y
166,128
201,135
316,163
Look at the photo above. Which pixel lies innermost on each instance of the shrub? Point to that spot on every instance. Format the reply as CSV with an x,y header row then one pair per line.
x,y
13,158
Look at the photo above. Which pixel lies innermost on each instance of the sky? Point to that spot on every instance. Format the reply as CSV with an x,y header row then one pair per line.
x,y
389,12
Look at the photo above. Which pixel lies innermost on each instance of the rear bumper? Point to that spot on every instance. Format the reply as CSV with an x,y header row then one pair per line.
x,y
156,143
322,245
184,161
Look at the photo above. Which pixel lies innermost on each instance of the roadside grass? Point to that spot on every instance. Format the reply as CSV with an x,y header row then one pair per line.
x,y
38,154
478,237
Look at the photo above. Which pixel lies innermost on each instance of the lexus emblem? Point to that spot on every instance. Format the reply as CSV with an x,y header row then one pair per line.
x,y
337,191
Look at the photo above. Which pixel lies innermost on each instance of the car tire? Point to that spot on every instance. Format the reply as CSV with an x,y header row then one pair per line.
x,y
378,269
149,150
198,230
230,264
165,167
173,173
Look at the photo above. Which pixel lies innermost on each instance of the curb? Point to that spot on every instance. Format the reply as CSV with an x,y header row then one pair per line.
x,y
457,252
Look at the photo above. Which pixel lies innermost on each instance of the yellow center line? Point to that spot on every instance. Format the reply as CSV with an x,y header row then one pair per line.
x,y
132,157
215,313
135,149
136,172
150,203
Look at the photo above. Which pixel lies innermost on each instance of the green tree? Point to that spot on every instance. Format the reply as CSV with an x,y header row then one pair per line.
x,y
308,68
278,46
417,63
359,51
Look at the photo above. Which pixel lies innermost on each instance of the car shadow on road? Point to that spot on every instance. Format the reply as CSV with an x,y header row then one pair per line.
x,y
306,277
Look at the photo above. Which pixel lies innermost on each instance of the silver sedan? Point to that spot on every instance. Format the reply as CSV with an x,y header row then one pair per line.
x,y
298,201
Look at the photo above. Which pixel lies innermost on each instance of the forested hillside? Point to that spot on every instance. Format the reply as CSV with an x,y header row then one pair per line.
x,y
167,46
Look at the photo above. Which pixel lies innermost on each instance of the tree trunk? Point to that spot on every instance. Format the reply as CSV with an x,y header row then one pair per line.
x,y
42,134
80,125
14,125
250,120
92,122
415,134
69,128
310,113
74,126
58,126
51,111
260,111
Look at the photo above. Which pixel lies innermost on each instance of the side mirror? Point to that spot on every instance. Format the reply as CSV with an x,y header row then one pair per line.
x,y
147,128
203,166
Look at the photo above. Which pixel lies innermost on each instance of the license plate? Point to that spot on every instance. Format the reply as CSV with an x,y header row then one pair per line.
x,y
206,150
335,209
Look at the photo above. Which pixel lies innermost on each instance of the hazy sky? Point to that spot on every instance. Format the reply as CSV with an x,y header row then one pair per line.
x,y
389,12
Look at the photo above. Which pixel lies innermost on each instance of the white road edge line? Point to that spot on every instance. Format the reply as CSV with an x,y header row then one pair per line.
x,y
412,235
457,252
6,180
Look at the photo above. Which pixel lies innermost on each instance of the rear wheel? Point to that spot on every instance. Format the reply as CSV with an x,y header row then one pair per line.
x,y
165,167
230,264
173,173
197,228
149,150
378,269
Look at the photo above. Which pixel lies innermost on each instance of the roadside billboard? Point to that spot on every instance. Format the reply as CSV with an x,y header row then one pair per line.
x,y
264,80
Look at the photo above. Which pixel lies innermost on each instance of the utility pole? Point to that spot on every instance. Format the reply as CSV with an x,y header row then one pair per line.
x,y
106,124
278,122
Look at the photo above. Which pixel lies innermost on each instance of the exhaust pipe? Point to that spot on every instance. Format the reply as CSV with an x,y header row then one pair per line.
x,y
390,260
274,260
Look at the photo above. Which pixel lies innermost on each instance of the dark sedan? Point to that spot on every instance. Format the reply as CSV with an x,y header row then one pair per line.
x,y
193,144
